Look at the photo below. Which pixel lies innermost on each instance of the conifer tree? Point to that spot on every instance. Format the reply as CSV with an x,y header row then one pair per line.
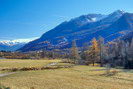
x,y
101,49
74,52
94,51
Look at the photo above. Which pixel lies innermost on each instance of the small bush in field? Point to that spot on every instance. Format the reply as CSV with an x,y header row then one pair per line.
x,y
110,73
108,68
114,72
14,69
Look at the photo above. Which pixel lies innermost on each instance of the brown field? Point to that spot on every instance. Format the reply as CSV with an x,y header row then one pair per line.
x,y
78,77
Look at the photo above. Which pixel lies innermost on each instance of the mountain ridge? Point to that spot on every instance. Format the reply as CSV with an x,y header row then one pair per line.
x,y
110,26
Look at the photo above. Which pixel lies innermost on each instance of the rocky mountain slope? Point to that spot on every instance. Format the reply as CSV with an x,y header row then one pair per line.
x,y
83,29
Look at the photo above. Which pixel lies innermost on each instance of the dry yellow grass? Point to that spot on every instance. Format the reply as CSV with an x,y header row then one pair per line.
x,y
78,77
18,63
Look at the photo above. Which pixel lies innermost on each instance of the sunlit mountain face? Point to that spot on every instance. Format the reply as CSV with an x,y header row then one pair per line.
x,y
83,29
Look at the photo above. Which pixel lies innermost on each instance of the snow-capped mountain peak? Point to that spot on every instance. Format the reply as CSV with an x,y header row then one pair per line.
x,y
12,45
16,41
117,13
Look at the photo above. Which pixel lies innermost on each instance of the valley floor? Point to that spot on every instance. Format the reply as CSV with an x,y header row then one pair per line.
x,y
77,77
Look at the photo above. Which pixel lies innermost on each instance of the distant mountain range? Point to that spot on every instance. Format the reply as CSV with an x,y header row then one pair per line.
x,y
83,29
12,45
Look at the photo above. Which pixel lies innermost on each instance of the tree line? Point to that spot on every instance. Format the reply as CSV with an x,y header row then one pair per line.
x,y
117,54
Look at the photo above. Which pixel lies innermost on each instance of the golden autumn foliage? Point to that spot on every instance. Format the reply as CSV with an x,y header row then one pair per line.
x,y
92,55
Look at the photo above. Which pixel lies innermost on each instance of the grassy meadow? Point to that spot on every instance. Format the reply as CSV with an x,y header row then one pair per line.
x,y
17,63
77,77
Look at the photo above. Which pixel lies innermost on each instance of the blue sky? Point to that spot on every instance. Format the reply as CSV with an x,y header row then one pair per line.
x,y
31,18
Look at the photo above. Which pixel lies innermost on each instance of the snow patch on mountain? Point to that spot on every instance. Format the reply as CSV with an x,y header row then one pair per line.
x,y
90,18
94,19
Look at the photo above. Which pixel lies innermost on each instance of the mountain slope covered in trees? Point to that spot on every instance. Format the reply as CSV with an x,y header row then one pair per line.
x,y
83,29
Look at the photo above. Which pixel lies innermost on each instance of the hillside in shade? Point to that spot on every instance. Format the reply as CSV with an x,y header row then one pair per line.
x,y
83,29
